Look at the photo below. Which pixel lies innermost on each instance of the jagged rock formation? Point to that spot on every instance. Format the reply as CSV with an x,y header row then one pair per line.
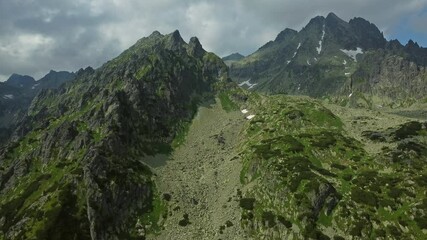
x,y
331,57
73,169
17,93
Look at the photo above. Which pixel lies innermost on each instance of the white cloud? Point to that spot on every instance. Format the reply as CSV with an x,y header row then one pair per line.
x,y
24,46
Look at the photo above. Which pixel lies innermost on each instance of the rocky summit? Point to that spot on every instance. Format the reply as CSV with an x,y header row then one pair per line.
x,y
319,134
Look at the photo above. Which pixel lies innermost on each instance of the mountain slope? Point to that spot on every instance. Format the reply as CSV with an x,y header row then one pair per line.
x,y
331,57
73,169
306,175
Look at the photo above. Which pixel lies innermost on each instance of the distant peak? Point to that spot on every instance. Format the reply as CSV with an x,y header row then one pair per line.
x,y
394,44
412,44
334,21
20,80
16,76
233,57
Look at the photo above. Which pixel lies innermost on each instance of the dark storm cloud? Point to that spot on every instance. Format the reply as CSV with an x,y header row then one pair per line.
x,y
39,35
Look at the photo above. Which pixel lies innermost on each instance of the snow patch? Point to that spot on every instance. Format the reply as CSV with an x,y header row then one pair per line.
x,y
244,111
315,59
347,74
248,83
352,53
319,48
34,86
287,62
351,94
344,62
299,86
295,53
8,96
308,62
250,117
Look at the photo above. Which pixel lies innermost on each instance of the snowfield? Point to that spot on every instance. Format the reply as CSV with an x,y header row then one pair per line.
x,y
319,49
352,53
8,96
247,83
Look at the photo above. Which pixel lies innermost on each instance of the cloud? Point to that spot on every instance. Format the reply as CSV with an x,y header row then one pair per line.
x,y
36,36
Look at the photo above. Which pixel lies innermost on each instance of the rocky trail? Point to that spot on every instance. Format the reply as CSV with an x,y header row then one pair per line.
x,y
200,180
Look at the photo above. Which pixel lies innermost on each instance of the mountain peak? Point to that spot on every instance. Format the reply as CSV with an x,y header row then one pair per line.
x,y
315,22
156,34
176,36
332,15
195,48
174,41
412,44
18,80
334,20
369,34
317,19
285,34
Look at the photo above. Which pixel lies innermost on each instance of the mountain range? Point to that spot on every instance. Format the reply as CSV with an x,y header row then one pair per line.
x,y
166,141
333,58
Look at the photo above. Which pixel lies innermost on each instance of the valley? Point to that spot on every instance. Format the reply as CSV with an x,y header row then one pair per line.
x,y
201,178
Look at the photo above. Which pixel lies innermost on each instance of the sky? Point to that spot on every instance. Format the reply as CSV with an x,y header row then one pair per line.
x,y
39,35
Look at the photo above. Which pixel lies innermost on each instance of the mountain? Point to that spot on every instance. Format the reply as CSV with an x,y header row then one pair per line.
x,y
17,93
20,81
74,167
160,143
335,58
232,58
